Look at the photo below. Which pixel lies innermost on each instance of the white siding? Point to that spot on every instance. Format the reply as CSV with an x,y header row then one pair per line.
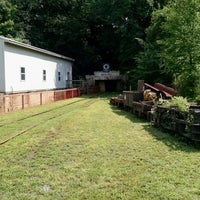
x,y
2,72
34,63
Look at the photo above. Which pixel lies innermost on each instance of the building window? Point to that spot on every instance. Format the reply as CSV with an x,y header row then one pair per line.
x,y
68,80
68,76
22,72
59,76
44,75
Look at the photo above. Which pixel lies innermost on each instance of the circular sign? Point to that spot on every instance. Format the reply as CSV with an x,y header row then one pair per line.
x,y
106,67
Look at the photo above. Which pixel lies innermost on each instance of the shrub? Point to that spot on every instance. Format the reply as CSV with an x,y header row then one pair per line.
x,y
178,101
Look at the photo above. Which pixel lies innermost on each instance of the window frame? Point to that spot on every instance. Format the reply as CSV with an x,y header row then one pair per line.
x,y
59,76
22,73
44,74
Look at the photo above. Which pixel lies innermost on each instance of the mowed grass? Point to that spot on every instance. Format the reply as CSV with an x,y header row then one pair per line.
x,y
94,151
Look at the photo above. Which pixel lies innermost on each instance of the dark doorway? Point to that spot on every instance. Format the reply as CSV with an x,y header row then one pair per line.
x,y
108,85
111,85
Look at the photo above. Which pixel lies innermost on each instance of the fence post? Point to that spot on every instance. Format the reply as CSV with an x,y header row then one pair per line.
x,y
22,101
65,95
41,98
4,107
2,103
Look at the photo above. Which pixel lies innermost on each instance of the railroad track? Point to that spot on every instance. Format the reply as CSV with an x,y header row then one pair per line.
x,y
56,112
39,113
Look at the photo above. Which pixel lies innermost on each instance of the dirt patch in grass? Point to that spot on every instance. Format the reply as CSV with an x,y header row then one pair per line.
x,y
50,136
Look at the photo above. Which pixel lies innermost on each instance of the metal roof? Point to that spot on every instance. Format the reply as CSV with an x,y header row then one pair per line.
x,y
14,42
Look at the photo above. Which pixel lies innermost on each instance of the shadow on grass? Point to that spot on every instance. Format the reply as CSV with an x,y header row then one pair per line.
x,y
175,142
172,140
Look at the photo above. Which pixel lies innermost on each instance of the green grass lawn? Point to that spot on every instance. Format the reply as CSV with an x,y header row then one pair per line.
x,y
92,150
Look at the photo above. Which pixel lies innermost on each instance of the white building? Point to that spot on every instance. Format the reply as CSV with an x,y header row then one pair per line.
x,y
26,68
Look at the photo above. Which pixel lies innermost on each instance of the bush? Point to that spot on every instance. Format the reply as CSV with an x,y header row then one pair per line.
x,y
179,101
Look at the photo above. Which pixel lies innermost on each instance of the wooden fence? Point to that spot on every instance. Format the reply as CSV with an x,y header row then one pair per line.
x,y
13,102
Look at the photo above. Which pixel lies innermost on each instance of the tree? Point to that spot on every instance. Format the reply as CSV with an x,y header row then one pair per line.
x,y
149,61
92,32
57,26
6,18
117,27
180,45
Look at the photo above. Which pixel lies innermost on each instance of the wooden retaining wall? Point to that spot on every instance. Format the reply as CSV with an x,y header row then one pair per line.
x,y
13,102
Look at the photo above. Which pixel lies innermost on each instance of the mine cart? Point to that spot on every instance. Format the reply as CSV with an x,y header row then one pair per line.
x,y
130,96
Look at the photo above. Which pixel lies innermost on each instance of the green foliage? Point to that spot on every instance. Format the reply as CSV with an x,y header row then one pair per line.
x,y
197,83
6,18
177,101
197,98
179,50
149,61
170,49
93,32
187,83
